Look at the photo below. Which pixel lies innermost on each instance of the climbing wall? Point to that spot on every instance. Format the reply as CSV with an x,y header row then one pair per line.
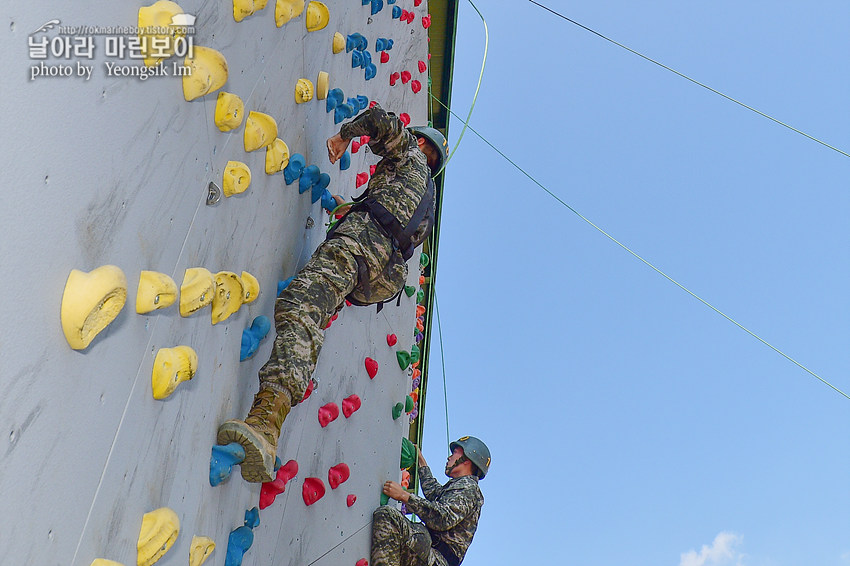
x,y
105,168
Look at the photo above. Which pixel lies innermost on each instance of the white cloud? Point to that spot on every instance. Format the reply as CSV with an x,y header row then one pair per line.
x,y
722,552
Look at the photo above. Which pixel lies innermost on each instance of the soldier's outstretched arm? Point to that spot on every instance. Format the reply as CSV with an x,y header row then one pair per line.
x,y
388,136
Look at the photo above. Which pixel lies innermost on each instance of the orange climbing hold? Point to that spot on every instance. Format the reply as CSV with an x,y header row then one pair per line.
x,y
312,490
350,405
371,368
405,479
338,475
328,413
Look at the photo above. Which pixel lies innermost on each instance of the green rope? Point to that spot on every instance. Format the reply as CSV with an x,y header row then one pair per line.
x,y
653,267
696,82
443,362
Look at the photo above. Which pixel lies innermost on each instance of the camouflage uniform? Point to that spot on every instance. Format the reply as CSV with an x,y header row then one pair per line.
x,y
304,308
449,516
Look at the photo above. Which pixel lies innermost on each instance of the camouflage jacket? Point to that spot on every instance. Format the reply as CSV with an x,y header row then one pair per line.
x,y
449,511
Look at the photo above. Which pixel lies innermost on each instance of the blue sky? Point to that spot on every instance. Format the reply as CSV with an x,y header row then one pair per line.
x,y
629,423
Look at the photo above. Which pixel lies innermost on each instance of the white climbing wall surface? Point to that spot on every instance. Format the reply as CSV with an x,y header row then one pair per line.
x,y
108,169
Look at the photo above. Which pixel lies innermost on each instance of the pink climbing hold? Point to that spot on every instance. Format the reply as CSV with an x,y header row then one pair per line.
x,y
328,413
393,78
405,77
350,499
272,489
350,405
371,368
372,169
405,118
355,146
415,86
426,21
422,66
361,179
362,562
309,390
338,475
312,490
385,57
392,339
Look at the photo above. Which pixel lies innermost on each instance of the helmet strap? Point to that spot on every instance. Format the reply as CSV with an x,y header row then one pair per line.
x,y
459,461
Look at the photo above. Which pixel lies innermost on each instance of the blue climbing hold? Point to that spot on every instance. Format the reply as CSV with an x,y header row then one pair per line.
x,y
396,12
355,41
320,186
342,112
345,161
239,541
371,71
335,98
367,60
377,6
309,177
222,461
251,337
365,2
293,170
389,44
363,101
281,285
356,59
252,518
277,463
328,201
380,44
390,1
354,103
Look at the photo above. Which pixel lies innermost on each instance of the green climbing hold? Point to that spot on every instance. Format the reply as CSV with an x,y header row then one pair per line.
x,y
408,404
409,290
414,354
398,409
408,453
423,259
420,296
385,499
403,358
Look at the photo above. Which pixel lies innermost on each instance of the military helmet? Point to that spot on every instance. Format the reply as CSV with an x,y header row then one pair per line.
x,y
437,139
476,451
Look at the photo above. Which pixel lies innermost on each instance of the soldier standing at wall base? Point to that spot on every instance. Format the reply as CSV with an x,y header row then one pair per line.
x,y
449,512
364,259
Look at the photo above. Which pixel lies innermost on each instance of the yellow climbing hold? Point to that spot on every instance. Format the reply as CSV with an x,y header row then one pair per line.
x,y
228,295
242,9
235,179
105,562
171,367
260,131
277,156
317,16
159,531
303,91
156,291
157,35
200,550
285,10
90,302
338,44
250,288
322,85
196,291
229,111
207,72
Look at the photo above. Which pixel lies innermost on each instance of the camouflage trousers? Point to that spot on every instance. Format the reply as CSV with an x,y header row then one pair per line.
x,y
398,541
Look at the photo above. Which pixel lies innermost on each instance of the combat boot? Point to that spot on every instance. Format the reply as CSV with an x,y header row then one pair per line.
x,y
258,433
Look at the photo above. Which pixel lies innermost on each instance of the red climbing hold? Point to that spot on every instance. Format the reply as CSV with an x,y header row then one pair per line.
x,y
350,499
404,14
422,66
385,56
347,303
405,118
371,368
372,169
417,2
362,562
405,77
361,179
426,21
393,78
415,86
429,56
364,140
355,146
392,339
272,489
350,404
328,413
312,490
309,390
338,474
410,17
